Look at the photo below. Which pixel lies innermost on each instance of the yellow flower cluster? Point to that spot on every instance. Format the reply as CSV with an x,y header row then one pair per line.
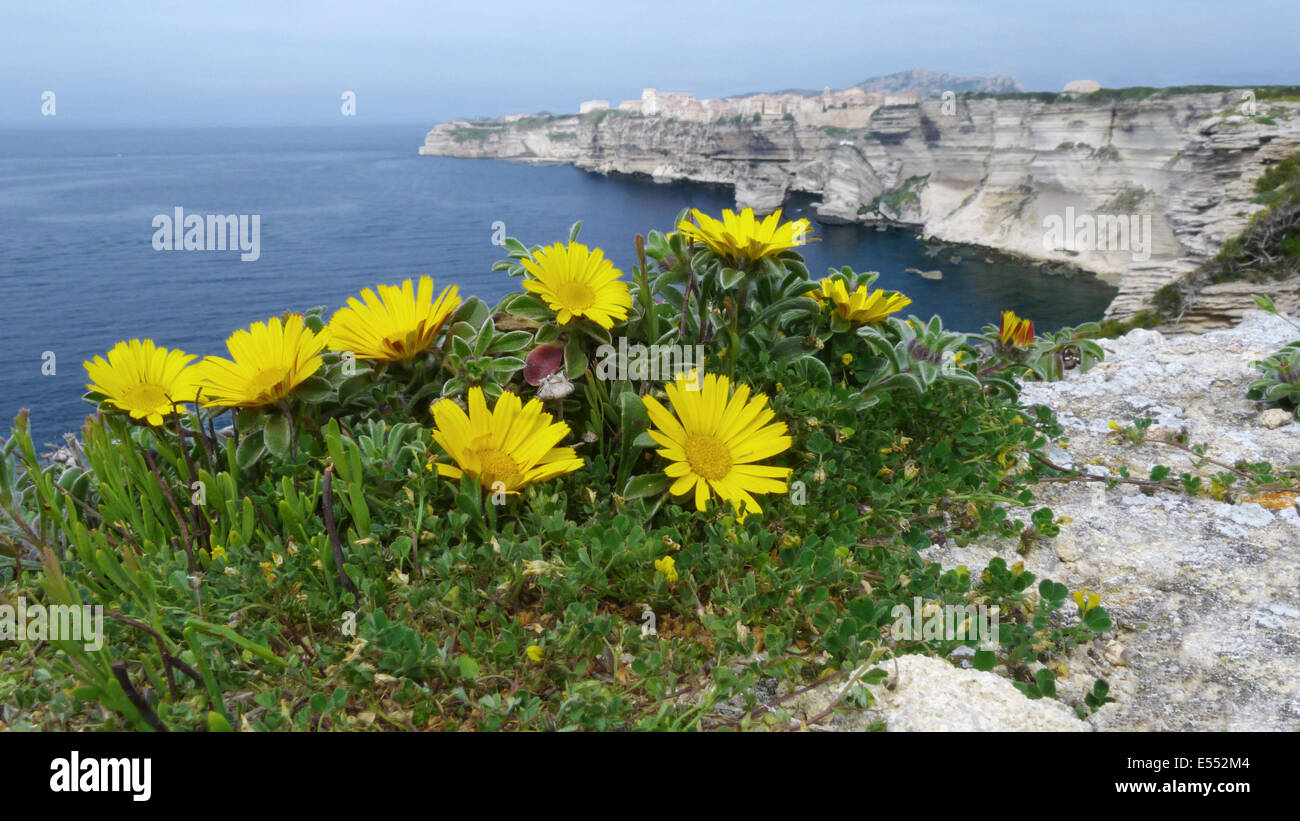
x,y
270,359
714,438
1086,601
667,566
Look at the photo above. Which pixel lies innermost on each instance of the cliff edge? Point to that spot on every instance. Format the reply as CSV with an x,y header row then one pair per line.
x,y
1000,172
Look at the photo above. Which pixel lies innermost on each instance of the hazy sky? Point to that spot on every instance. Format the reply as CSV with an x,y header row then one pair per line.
x,y
238,62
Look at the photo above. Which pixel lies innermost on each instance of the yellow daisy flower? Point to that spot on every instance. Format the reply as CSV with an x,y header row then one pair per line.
x,y
270,359
863,306
743,238
396,325
576,281
712,438
514,444
143,379
1016,331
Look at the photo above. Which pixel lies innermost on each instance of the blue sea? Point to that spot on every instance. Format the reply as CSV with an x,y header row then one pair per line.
x,y
342,208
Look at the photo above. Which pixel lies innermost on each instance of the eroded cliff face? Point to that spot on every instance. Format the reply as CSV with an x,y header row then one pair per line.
x,y
1002,173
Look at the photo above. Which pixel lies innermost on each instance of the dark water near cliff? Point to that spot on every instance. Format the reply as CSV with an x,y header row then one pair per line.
x,y
342,209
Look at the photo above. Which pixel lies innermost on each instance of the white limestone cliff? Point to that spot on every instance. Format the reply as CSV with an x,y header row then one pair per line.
x,y
992,172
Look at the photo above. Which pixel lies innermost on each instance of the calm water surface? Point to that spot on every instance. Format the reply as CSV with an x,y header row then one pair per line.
x,y
341,209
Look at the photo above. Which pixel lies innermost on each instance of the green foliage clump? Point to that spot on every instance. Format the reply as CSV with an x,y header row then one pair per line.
x,y
466,134
1278,383
1168,299
1127,200
1113,328
1269,248
894,200
304,568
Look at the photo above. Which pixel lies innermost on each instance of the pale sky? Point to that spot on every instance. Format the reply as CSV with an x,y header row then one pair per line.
x,y
241,62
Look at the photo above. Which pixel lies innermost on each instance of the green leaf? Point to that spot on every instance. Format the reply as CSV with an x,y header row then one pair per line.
x,y
529,307
790,348
651,484
984,660
278,432
472,311
503,367
645,440
1028,689
250,449
1097,620
575,360
635,418
313,389
217,723
486,335
819,444
1046,680
468,668
1053,591
1265,302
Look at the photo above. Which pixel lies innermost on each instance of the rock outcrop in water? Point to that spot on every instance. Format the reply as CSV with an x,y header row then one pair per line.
x,y
991,172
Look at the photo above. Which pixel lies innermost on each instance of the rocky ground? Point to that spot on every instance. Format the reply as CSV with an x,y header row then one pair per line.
x,y
1204,594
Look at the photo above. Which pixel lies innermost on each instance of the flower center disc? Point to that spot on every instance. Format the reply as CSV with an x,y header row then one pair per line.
x,y
708,456
145,397
576,296
495,464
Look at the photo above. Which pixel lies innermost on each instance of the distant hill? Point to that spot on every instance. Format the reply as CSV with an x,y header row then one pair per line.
x,y
923,84
926,84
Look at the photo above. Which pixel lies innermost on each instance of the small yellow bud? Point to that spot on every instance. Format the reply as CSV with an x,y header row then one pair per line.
x,y
668,567
534,652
